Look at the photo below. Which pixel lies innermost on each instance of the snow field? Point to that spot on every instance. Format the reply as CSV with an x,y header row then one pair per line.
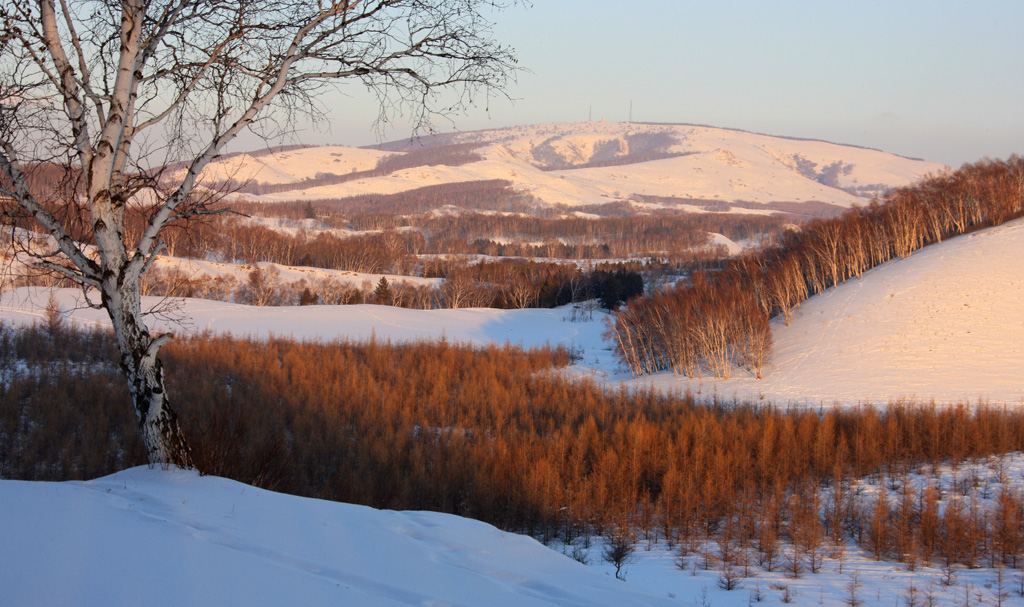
x,y
154,537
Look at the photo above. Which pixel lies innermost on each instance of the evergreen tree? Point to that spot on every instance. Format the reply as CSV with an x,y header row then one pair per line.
x,y
382,294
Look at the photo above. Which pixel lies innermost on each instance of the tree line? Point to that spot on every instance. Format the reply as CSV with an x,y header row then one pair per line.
x,y
391,243
719,319
488,194
508,284
495,433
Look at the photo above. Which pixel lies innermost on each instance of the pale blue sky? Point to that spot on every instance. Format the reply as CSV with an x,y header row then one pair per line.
x,y
940,80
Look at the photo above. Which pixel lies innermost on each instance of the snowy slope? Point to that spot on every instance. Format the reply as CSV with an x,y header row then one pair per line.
x,y
946,323
529,328
158,538
198,269
171,538
294,164
712,164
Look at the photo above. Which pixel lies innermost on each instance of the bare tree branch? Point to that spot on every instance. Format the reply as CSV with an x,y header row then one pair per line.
x,y
82,80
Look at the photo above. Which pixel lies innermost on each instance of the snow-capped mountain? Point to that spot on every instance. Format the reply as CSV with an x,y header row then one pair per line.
x,y
693,167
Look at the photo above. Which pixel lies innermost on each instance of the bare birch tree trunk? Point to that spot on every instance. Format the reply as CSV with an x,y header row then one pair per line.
x,y
158,423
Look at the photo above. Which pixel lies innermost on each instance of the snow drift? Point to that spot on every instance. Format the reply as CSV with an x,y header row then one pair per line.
x,y
152,537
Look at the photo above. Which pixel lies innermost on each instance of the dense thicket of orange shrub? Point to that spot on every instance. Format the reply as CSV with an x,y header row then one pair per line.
x,y
494,433
719,319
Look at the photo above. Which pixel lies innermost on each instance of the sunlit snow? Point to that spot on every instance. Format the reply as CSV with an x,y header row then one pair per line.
x,y
719,164
172,538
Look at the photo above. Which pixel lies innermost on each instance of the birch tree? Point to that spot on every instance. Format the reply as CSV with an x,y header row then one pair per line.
x,y
132,99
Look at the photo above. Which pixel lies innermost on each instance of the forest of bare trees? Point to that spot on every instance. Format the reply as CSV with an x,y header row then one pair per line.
x,y
507,284
671,236
719,319
495,434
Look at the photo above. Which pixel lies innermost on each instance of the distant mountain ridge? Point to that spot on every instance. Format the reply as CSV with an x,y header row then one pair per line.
x,y
398,145
593,163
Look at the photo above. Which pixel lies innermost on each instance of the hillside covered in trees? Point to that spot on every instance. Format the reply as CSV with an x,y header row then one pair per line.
x,y
718,320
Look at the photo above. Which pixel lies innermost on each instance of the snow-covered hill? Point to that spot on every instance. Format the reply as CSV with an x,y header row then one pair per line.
x,y
155,538
598,162
293,164
946,323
